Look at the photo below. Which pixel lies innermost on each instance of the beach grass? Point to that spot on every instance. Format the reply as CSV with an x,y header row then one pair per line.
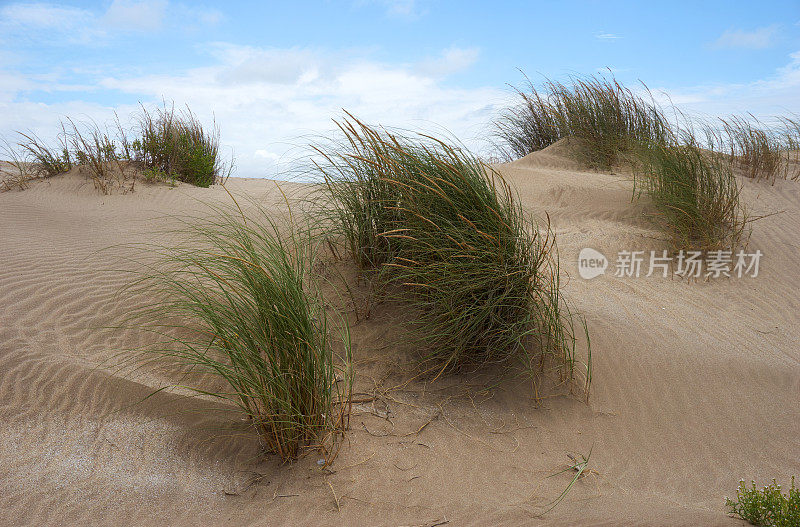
x,y
607,118
162,144
20,172
447,235
695,193
177,145
235,301
47,160
759,151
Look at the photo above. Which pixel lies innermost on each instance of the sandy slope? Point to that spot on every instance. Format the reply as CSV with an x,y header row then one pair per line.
x,y
695,385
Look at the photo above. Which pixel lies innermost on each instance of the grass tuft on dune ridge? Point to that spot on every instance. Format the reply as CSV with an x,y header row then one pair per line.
x,y
694,191
161,145
762,152
241,320
607,118
445,230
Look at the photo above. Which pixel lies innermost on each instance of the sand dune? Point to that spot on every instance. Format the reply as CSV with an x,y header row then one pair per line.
x,y
695,384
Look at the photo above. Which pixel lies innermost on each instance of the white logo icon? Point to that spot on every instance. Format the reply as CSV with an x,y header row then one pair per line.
x,y
591,263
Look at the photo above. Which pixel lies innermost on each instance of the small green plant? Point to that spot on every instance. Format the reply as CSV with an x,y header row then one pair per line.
x,y
766,507
235,302
580,469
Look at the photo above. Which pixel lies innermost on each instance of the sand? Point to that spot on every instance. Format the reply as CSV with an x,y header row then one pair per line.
x,y
695,385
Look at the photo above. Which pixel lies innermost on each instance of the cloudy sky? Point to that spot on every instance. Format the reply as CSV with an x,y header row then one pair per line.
x,y
275,73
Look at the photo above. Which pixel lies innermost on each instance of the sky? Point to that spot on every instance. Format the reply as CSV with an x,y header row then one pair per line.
x,y
273,75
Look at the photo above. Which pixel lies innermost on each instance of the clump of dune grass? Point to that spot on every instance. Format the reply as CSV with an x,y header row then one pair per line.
x,y
530,125
235,302
694,190
160,145
446,232
177,145
756,150
47,160
605,117
20,172
767,507
791,139
97,152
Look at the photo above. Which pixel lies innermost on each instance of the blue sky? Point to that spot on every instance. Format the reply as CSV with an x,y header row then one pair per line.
x,y
272,73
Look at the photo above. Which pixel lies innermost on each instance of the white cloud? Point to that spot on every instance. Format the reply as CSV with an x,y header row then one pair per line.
x,y
401,7
129,15
246,64
395,8
764,98
48,23
210,17
64,25
267,102
452,60
607,36
759,38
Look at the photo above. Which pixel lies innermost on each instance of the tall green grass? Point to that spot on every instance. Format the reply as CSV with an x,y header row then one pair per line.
x,y
176,144
761,151
446,233
691,182
756,150
160,144
694,190
607,118
235,302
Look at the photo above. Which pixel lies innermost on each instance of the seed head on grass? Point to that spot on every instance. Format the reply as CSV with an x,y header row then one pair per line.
x,y
448,235
249,315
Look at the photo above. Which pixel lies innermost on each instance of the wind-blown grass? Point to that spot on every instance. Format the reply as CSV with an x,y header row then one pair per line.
x,y
47,160
757,150
607,118
694,191
160,145
446,231
177,145
21,171
246,312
